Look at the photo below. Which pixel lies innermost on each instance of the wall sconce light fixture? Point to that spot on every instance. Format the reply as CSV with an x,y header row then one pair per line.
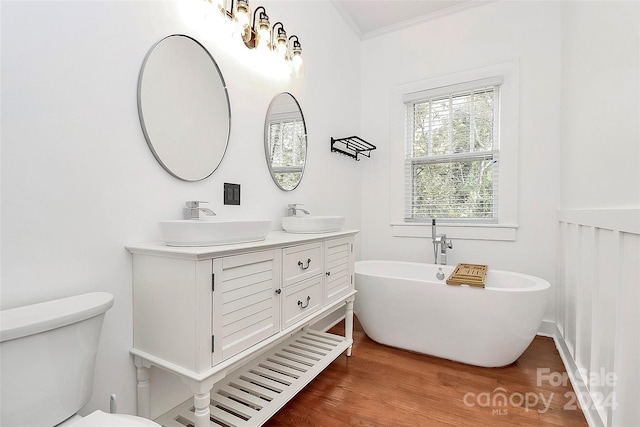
x,y
257,33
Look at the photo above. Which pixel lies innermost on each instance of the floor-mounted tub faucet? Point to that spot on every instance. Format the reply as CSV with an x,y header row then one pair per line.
x,y
192,210
440,245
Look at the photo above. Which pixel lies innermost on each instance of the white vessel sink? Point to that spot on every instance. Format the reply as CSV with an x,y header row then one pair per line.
x,y
212,232
312,224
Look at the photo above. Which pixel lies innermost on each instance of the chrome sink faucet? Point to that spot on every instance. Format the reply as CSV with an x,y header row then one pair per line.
x,y
192,210
440,245
292,209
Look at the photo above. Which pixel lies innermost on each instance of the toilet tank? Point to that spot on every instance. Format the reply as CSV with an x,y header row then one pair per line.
x,y
47,355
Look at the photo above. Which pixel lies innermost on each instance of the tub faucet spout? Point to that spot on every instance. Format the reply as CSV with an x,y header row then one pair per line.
x,y
440,245
444,244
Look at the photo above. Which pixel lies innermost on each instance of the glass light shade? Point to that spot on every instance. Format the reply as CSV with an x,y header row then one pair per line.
x,y
281,47
297,66
242,16
279,41
264,33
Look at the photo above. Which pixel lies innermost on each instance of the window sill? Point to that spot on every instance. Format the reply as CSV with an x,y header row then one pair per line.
x,y
499,232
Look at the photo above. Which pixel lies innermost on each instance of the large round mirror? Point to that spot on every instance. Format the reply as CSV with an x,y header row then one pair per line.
x,y
285,141
184,107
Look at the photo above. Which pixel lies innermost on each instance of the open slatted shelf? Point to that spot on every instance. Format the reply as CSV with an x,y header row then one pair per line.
x,y
251,395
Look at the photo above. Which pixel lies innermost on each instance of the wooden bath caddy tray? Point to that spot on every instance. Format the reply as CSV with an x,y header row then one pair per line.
x,y
468,274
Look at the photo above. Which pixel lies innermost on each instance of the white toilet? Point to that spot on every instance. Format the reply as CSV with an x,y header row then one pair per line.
x,y
47,355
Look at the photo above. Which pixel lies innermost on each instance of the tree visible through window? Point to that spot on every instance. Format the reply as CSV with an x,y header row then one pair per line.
x,y
452,154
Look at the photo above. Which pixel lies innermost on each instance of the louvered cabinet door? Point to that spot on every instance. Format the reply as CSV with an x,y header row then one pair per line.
x,y
338,268
245,303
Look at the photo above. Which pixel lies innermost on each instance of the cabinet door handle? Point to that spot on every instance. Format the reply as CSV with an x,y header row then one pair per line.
x,y
301,264
306,305
328,273
278,291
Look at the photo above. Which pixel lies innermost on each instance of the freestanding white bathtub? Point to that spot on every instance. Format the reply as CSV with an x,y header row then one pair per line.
x,y
403,304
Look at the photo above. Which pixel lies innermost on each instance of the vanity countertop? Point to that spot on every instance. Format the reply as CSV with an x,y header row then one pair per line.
x,y
276,238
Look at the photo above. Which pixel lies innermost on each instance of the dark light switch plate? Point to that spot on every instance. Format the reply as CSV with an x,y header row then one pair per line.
x,y
231,194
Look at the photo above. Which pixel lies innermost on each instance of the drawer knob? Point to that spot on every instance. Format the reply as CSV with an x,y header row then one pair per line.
x,y
306,305
328,273
301,264
278,291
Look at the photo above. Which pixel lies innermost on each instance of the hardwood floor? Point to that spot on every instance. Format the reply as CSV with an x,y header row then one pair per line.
x,y
385,386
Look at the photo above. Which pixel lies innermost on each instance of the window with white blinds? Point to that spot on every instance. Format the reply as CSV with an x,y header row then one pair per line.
x,y
452,152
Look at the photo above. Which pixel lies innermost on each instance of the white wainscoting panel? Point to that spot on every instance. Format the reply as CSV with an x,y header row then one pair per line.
x,y
627,349
599,309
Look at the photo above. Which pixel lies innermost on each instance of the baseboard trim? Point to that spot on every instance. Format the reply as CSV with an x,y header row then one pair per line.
x,y
550,329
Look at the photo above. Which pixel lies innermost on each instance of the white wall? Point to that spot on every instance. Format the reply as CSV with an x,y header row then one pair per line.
x,y
498,32
78,181
600,90
599,220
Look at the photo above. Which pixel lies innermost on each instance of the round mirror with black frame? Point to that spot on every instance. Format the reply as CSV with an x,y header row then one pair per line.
x,y
184,107
285,141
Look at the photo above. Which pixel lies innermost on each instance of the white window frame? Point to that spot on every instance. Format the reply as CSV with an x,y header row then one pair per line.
x,y
507,221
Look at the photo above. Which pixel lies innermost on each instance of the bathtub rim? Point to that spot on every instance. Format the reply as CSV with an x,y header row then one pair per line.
x,y
539,284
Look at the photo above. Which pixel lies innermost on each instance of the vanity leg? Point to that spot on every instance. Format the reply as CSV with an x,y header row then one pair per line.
x,y
142,375
201,403
348,324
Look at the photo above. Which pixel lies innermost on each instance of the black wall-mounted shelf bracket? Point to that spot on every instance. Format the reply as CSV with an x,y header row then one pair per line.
x,y
352,146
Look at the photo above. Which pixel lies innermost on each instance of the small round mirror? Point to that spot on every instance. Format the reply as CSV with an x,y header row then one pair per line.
x,y
285,141
184,107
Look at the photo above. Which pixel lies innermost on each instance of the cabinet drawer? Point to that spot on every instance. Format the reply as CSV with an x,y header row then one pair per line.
x,y
301,262
300,301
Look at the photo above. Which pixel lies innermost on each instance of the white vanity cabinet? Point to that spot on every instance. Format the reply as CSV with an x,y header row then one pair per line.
x,y
232,321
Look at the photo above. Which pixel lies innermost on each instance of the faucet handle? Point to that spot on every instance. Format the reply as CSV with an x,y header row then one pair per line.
x,y
294,205
193,204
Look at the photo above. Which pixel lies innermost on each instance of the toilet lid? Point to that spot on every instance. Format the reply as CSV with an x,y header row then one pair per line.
x,y
102,419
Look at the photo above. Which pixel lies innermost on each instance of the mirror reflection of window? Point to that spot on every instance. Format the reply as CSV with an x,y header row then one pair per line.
x,y
285,141
287,150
